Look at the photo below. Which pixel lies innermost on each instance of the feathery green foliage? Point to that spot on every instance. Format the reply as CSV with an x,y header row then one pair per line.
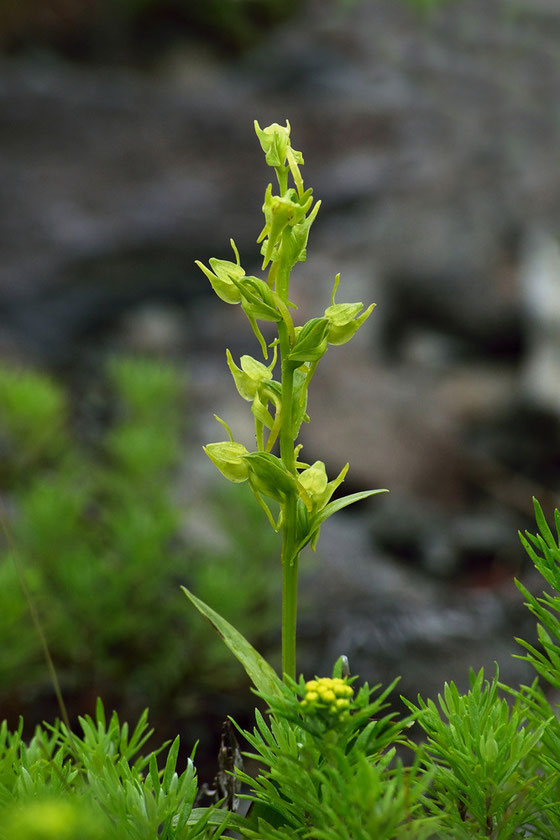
x,y
97,786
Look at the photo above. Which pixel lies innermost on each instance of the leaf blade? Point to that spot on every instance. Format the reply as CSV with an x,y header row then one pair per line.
x,y
261,674
331,508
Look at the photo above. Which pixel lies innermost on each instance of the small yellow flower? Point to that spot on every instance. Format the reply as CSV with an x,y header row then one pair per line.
x,y
328,695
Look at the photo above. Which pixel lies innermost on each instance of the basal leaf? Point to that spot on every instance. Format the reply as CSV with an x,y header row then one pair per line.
x,y
262,675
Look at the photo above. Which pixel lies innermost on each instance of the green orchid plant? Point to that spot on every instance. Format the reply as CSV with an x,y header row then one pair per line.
x,y
295,496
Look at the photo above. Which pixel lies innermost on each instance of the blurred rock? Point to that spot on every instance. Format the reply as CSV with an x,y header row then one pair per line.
x,y
540,282
391,620
153,330
427,139
468,545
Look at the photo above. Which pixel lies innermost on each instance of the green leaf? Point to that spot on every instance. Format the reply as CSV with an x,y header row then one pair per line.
x,y
543,526
262,675
170,765
322,515
217,817
311,342
268,475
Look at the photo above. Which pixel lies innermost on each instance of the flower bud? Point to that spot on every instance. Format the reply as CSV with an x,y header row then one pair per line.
x,y
275,140
328,697
229,457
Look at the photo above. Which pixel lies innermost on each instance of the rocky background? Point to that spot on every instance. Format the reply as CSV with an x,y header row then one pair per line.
x,y
433,142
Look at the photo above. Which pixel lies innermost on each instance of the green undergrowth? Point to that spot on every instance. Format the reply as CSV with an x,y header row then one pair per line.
x,y
96,785
338,763
97,531
335,761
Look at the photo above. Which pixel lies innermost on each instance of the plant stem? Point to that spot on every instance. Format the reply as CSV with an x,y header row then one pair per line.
x,y
286,438
289,616
289,555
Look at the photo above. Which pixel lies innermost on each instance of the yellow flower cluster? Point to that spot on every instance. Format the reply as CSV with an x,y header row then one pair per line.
x,y
326,694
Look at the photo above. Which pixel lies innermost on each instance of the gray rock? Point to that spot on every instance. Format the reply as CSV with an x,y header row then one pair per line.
x,y
418,136
390,620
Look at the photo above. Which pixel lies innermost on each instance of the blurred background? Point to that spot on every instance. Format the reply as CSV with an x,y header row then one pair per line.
x,y
431,133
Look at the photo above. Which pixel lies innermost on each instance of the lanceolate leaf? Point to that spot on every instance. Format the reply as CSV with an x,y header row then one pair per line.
x,y
543,526
262,675
322,515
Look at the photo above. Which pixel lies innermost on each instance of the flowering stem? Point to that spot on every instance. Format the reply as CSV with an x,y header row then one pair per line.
x,y
288,218
289,555
282,281
286,437
289,612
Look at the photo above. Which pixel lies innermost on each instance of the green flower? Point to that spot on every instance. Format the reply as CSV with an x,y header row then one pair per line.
x,y
275,140
294,239
280,211
258,301
254,383
344,319
275,143
314,481
223,275
251,376
229,457
317,490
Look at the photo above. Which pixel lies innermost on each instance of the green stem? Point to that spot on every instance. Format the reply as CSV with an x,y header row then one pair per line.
x,y
289,521
286,439
282,282
289,617
282,176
